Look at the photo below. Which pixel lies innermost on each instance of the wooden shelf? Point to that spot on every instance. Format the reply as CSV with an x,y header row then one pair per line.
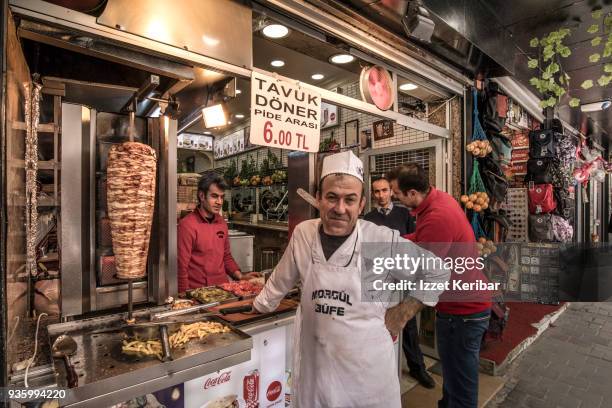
x,y
42,127
42,165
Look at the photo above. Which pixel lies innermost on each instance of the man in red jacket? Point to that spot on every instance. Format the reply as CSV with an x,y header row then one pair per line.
x,y
462,318
204,256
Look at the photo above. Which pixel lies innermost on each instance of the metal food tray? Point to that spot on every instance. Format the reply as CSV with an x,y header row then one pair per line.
x,y
233,297
107,376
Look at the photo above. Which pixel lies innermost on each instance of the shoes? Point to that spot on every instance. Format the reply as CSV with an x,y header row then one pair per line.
x,y
423,377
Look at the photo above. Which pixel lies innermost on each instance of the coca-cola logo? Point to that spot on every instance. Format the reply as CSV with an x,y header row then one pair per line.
x,y
274,391
223,378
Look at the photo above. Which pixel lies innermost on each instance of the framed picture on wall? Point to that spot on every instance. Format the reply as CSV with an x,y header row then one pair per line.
x,y
329,116
365,140
351,132
383,129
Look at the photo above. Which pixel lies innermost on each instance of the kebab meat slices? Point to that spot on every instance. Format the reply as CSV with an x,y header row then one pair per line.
x,y
131,199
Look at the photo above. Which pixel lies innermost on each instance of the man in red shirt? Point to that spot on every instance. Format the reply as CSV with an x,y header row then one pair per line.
x,y
462,318
204,256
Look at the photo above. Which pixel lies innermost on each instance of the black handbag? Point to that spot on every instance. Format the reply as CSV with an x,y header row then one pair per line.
x,y
542,143
566,206
539,171
540,228
493,178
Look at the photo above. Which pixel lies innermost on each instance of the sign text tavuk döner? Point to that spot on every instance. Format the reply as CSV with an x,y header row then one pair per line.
x,y
284,114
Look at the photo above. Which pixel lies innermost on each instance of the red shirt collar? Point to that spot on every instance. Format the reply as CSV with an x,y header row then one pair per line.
x,y
429,198
199,211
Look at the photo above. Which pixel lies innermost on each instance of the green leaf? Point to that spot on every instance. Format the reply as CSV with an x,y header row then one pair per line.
x,y
534,42
548,102
596,41
534,81
564,32
594,57
597,14
608,20
607,49
574,102
567,77
608,67
533,63
604,80
546,75
561,80
593,29
553,68
564,51
588,84
548,52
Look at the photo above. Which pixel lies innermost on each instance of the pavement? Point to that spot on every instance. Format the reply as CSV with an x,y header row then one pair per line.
x,y
568,366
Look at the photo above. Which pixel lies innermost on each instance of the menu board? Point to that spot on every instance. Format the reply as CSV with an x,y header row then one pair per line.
x,y
229,144
195,141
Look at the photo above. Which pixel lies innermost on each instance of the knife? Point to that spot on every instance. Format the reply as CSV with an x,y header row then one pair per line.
x,y
237,309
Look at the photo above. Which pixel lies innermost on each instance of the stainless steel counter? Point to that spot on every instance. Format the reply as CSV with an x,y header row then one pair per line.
x,y
107,376
263,225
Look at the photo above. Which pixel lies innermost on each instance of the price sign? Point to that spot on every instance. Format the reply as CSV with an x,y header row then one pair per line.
x,y
284,115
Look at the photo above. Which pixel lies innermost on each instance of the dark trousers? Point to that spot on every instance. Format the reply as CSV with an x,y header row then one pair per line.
x,y
458,339
410,344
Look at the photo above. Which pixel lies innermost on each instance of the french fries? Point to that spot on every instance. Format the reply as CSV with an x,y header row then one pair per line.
x,y
143,348
197,330
186,332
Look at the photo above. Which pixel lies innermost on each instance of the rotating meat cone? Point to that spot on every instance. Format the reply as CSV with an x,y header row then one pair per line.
x,y
131,199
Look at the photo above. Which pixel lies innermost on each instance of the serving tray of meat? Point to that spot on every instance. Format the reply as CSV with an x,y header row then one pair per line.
x,y
243,289
211,294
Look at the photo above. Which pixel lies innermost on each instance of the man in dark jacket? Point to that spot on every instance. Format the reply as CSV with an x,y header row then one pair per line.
x,y
399,218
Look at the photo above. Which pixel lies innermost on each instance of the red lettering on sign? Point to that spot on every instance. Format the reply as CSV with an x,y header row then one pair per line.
x,y
223,378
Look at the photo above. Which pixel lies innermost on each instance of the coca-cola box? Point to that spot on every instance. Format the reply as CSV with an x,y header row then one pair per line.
x,y
258,383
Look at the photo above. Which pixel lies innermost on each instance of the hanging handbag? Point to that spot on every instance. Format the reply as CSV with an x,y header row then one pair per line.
x,y
542,143
541,199
493,179
502,149
566,206
539,171
562,230
540,228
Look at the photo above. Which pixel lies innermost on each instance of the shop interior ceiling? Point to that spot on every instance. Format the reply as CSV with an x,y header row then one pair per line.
x,y
492,37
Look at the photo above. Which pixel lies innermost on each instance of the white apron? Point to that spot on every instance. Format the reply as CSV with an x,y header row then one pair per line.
x,y
343,352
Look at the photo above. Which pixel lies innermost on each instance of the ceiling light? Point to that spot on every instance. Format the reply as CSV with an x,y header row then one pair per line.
x,y
317,77
595,106
214,116
275,31
277,63
341,58
239,116
408,87
207,133
238,91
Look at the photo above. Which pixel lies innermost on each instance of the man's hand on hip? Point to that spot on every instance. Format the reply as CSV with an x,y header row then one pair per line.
x,y
397,316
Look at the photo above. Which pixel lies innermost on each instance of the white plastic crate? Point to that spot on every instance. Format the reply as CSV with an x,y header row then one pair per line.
x,y
516,207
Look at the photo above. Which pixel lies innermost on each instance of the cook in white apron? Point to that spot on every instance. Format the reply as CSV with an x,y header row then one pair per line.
x,y
343,352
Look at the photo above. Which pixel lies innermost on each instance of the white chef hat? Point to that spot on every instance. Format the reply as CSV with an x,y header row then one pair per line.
x,y
342,163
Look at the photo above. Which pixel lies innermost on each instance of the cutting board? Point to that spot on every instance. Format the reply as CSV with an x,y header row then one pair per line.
x,y
241,318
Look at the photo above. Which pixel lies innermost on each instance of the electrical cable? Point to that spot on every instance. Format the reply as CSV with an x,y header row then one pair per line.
x,y
25,378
